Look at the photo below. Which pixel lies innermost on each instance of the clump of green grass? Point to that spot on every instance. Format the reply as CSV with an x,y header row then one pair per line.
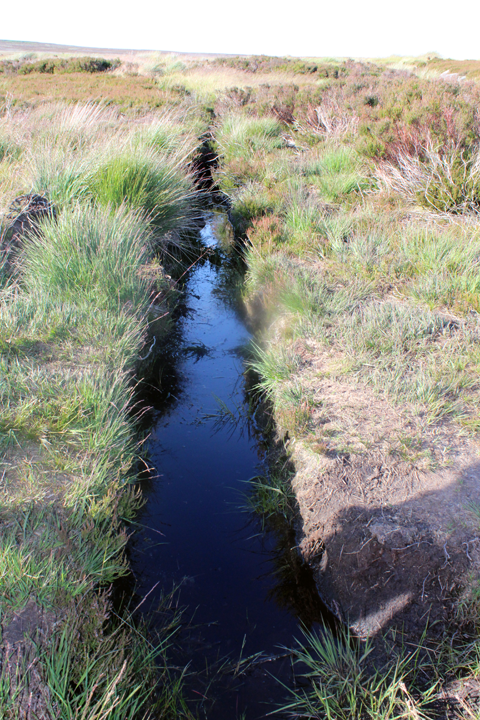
x,y
336,172
100,686
9,149
159,64
270,496
365,252
89,153
243,136
42,560
147,182
273,365
170,136
105,673
342,685
4,264
89,253
58,173
303,226
306,294
294,405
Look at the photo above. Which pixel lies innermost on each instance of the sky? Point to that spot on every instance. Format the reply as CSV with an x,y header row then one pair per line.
x,y
311,28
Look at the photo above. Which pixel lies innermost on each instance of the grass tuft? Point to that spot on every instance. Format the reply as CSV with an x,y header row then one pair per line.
x,y
343,685
147,182
89,254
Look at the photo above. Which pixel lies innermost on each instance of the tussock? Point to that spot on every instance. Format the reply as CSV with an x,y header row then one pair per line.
x,y
75,308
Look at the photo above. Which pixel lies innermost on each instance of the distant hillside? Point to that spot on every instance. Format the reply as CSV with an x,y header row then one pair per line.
x,y
14,46
27,46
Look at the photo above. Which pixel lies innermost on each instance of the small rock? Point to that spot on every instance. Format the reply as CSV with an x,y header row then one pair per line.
x,y
391,534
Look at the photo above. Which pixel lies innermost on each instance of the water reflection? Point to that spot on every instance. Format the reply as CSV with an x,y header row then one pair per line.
x,y
245,589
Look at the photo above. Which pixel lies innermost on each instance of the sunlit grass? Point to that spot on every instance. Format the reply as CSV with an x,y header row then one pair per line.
x,y
89,253
247,136
352,251
146,182
208,81
341,683
76,301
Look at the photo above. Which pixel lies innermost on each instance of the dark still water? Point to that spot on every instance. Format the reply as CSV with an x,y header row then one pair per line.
x,y
242,587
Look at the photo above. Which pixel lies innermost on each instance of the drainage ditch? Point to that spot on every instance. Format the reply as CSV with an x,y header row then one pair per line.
x,y
244,587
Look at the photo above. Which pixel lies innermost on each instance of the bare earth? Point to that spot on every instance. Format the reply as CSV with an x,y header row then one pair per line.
x,y
389,525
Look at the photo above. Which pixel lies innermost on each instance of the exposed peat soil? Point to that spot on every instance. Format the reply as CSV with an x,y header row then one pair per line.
x,y
245,590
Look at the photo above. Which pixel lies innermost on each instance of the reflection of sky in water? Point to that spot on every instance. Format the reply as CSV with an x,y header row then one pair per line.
x,y
207,234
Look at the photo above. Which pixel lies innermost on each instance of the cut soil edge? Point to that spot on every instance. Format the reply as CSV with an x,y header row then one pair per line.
x,y
392,543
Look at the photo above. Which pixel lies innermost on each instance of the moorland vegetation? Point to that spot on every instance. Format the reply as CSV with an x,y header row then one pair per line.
x,y
355,187
82,290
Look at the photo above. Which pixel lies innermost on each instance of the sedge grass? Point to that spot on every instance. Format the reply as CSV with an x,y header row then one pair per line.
x,y
30,322
73,321
171,135
101,688
41,559
89,253
58,173
336,173
343,685
147,182
271,495
273,365
244,136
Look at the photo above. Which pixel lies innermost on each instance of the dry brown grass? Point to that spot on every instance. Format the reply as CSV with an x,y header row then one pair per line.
x,y
469,69
123,90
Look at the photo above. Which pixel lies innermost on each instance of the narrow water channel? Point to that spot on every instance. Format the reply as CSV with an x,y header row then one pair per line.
x,y
237,582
